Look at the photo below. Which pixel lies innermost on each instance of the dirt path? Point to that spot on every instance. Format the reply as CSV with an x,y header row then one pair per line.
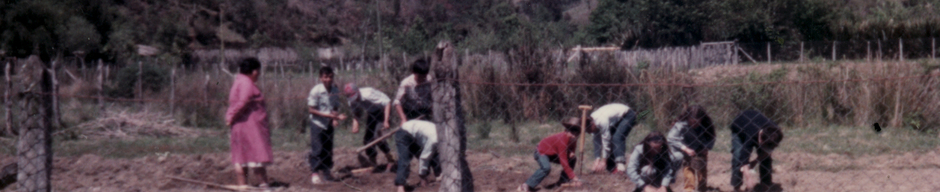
x,y
794,172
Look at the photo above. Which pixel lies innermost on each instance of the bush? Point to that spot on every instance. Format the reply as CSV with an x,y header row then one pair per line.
x,y
154,78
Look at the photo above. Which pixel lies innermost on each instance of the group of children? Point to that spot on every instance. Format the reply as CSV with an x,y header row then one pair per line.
x,y
654,162
652,165
412,103
250,137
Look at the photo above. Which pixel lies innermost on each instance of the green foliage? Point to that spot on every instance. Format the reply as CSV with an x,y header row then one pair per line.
x,y
154,79
651,23
79,35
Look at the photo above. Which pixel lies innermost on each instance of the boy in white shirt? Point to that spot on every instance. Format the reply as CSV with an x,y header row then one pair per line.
x,y
323,106
416,137
614,122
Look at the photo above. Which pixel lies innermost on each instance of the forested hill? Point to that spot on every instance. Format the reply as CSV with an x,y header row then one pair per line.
x,y
112,29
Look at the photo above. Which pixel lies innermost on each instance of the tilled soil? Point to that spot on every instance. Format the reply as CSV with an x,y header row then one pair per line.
x,y
491,172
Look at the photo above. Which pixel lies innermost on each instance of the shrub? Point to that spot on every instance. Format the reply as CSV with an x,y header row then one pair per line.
x,y
154,78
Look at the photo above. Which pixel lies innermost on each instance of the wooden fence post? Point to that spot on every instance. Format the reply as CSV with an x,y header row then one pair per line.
x,y
33,147
801,52
173,89
868,51
7,100
834,44
768,52
205,93
933,48
901,49
55,94
448,115
140,81
101,87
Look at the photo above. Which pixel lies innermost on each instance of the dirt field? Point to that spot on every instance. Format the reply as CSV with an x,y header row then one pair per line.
x,y
794,172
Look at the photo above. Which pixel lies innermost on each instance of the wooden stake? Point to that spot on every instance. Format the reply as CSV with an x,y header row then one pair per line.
x,y
584,109
901,49
140,82
834,50
173,89
801,52
55,95
768,53
101,86
7,99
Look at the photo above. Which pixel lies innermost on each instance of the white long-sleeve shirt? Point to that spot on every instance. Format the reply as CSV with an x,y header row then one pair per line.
x,y
603,118
426,134
369,100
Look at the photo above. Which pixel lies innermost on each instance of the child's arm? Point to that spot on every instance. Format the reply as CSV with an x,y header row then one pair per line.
x,y
401,113
633,165
674,138
563,159
388,110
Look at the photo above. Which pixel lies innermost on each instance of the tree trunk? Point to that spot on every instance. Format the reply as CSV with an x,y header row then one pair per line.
x,y
448,115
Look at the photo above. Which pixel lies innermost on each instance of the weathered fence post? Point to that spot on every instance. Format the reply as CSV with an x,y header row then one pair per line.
x,y
7,100
768,52
448,115
933,48
834,43
901,49
55,93
33,147
100,86
868,51
205,93
801,51
173,89
140,81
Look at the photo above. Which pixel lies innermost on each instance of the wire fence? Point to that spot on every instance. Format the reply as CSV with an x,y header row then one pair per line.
x,y
842,124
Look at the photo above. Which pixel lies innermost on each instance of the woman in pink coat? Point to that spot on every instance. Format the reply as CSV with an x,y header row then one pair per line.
x,y
250,137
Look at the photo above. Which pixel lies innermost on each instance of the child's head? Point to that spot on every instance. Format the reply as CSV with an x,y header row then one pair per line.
x,y
695,115
653,143
249,67
573,125
420,69
769,137
326,75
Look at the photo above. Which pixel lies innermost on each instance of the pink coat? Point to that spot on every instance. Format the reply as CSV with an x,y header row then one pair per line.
x,y
250,137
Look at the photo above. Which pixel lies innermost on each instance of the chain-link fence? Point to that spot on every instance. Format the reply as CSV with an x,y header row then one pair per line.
x,y
500,123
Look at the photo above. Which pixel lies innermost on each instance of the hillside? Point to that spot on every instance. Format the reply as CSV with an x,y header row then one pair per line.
x,y
112,29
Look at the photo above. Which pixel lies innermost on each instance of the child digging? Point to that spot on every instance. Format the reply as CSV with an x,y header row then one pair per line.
x,y
613,123
370,103
651,165
690,139
557,148
416,138
322,105
751,130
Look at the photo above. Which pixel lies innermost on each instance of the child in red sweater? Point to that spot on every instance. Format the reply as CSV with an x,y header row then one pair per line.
x,y
557,148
